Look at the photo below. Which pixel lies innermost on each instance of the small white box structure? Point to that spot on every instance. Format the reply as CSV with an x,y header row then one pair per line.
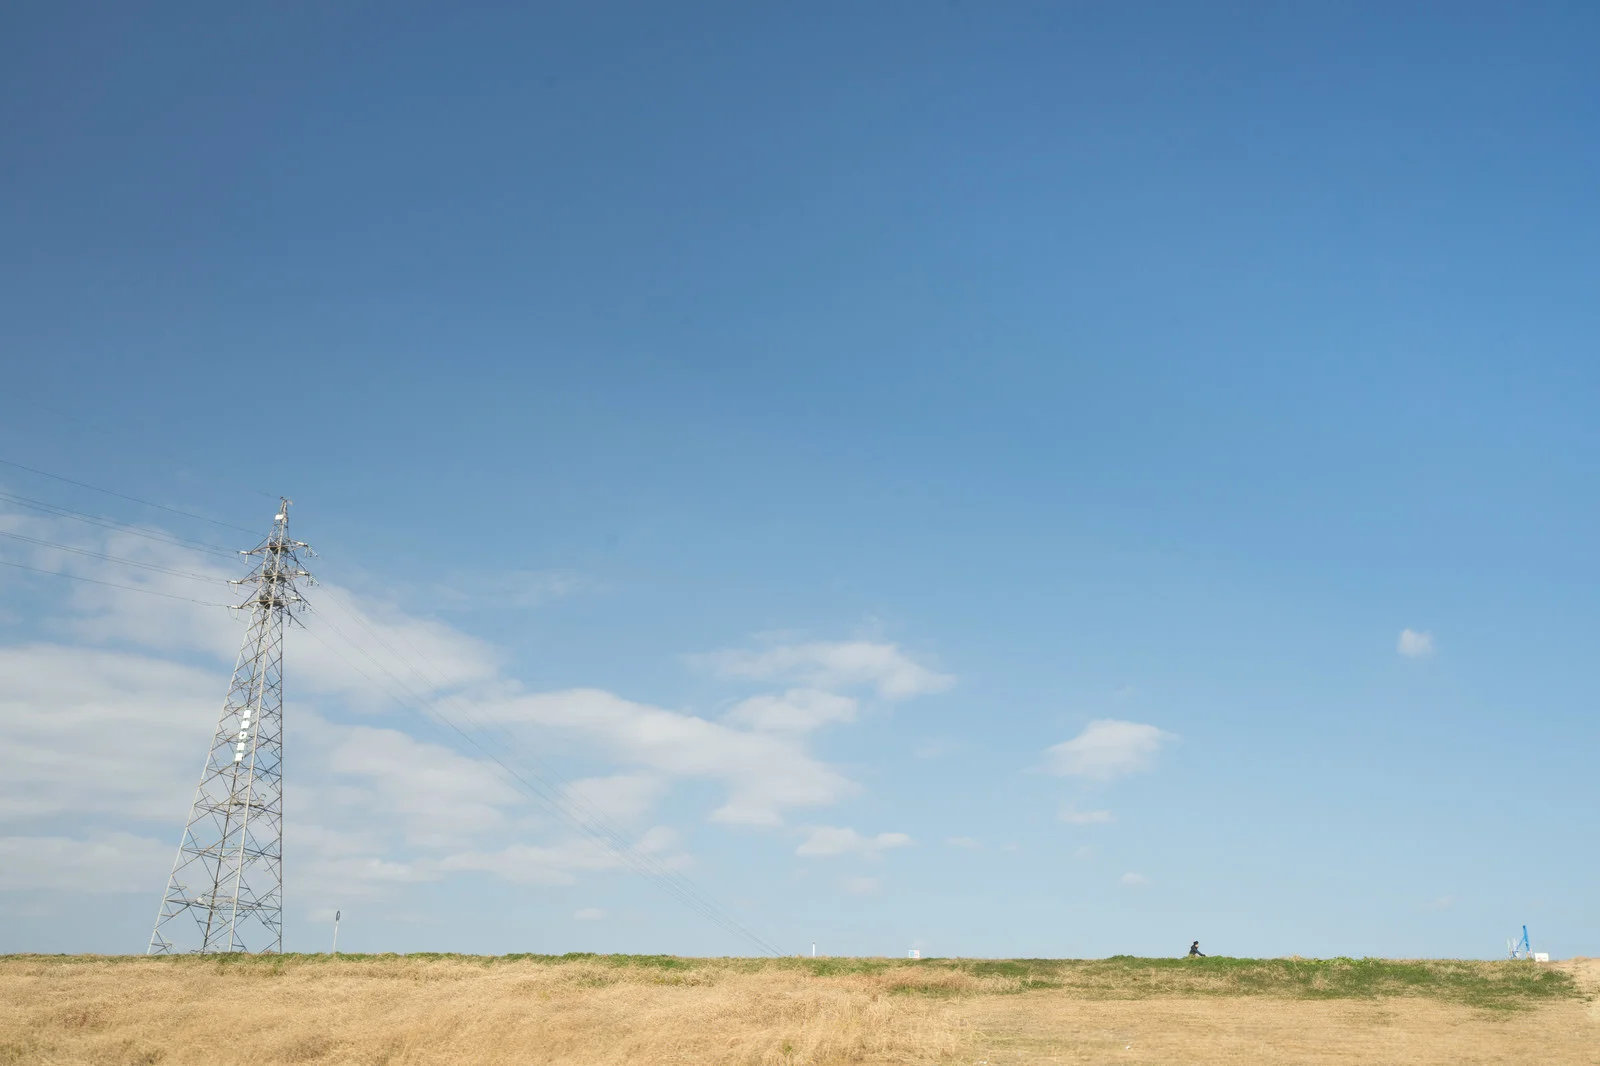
x,y
1541,956
913,954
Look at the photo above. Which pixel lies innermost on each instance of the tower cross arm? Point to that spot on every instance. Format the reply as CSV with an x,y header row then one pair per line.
x,y
225,892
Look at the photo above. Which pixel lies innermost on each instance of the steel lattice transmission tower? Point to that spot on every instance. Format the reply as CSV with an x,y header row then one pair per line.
x,y
226,888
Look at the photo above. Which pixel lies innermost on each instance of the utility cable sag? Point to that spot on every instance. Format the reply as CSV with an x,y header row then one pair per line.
x,y
125,496
113,584
125,439
147,532
211,578
546,787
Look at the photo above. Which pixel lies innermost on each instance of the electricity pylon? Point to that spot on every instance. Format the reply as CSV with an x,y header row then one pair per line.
x,y
228,876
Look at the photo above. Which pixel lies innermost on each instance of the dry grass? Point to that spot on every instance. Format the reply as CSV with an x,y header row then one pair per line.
x,y
594,1010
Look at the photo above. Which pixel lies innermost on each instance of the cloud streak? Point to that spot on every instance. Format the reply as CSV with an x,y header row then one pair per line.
x,y
1414,644
830,841
884,668
798,710
765,774
104,863
1077,817
130,701
1108,749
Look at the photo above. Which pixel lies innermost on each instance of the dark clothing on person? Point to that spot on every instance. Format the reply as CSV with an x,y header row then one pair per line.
x,y
1195,952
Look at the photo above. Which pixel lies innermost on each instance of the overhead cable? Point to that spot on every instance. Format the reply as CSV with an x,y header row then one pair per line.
x,y
113,584
211,578
125,439
125,496
147,532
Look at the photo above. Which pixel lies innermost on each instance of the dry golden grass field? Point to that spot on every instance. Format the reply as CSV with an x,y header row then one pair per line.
x,y
450,1010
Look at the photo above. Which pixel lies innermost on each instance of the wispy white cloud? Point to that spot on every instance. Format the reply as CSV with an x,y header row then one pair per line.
x,y
428,656
883,667
131,701
1414,644
1072,816
135,726
825,840
662,842
442,798
1107,749
860,886
765,773
562,862
798,710
362,861
103,613
589,914
74,715
1133,879
103,863
169,622
619,797
530,864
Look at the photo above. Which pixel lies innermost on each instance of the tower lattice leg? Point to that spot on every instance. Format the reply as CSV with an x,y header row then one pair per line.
x,y
225,892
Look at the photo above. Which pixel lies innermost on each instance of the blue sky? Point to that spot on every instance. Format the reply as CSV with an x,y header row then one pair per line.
x,y
945,477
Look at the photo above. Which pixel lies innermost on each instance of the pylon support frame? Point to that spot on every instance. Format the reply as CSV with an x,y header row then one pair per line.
x,y
225,892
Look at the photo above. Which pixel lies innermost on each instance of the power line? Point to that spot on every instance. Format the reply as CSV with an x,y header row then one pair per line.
x,y
226,885
547,788
125,439
113,584
125,496
148,533
115,559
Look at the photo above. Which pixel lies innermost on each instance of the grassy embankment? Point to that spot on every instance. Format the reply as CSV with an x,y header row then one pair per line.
x,y
1493,985
776,1012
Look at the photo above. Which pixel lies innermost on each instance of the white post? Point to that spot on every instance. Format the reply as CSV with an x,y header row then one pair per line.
x,y
336,932
813,949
